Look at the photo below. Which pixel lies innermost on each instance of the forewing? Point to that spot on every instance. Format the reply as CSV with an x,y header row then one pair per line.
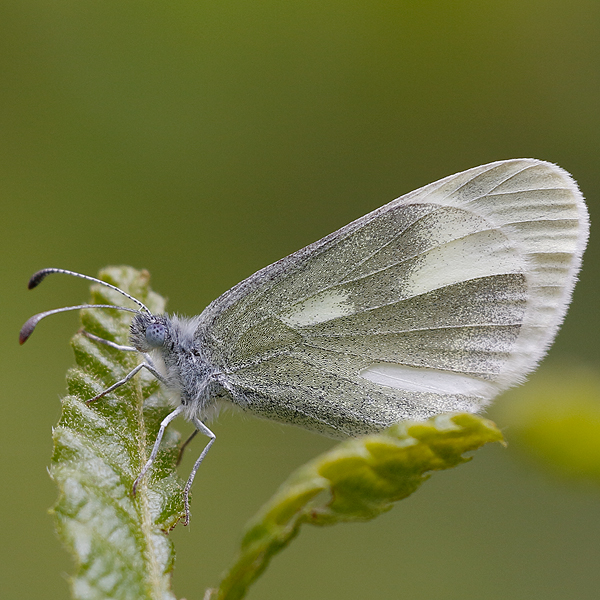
x,y
435,302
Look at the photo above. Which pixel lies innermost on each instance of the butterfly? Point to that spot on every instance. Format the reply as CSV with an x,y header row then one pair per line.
x,y
436,302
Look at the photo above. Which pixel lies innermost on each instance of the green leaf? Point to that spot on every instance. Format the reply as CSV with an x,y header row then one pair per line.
x,y
119,542
355,481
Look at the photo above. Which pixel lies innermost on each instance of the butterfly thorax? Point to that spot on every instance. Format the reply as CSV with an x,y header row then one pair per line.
x,y
181,356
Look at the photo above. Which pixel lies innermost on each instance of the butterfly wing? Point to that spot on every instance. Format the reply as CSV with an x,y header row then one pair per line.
x,y
432,303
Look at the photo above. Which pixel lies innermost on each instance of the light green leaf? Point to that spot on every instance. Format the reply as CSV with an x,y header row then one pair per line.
x,y
355,481
119,542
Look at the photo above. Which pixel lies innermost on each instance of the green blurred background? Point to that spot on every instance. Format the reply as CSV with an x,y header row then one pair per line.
x,y
205,140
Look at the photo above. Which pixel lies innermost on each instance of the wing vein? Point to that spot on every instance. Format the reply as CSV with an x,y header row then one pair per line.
x,y
417,329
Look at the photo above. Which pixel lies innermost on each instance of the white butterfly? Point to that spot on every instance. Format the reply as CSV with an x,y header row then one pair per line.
x,y
433,303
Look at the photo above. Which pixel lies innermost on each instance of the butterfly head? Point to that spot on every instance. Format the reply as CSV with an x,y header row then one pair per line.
x,y
150,332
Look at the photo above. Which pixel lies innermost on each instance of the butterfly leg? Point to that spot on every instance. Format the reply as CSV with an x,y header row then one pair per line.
x,y
132,373
156,446
147,365
100,340
202,428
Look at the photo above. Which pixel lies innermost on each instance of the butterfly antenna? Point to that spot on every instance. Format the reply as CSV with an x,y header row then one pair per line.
x,y
31,323
38,277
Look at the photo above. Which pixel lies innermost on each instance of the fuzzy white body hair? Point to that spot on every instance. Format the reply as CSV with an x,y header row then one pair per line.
x,y
182,360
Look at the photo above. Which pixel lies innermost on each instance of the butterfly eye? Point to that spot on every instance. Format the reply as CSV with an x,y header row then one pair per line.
x,y
155,335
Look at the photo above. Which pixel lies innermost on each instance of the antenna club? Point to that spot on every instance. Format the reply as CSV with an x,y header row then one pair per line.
x,y
37,278
27,329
